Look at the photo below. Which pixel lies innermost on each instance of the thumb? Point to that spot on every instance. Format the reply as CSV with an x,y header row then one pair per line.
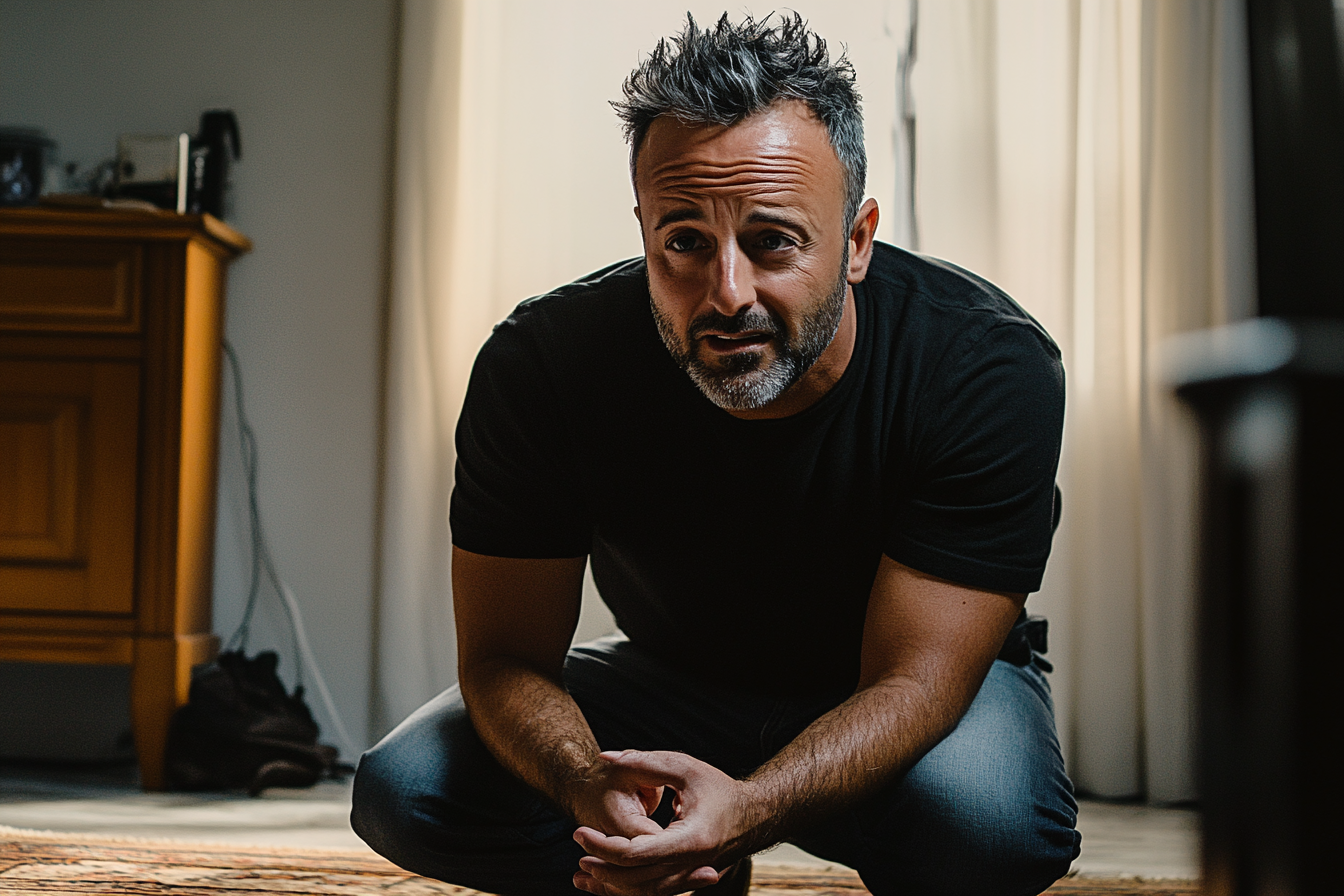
x,y
653,767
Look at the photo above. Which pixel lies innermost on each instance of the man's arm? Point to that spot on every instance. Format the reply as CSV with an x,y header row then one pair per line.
x,y
927,646
515,619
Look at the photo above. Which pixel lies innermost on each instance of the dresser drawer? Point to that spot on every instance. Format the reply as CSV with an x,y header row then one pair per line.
x,y
68,450
79,286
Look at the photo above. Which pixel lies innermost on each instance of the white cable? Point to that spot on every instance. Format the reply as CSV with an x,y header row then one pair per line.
x,y
307,656
262,561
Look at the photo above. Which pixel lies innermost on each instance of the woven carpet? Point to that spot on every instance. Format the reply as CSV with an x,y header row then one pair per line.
x,y
70,864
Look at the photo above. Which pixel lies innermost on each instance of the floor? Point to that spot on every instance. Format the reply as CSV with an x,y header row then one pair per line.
x,y
1118,839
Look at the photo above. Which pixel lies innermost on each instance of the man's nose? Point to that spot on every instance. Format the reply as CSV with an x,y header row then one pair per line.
x,y
731,288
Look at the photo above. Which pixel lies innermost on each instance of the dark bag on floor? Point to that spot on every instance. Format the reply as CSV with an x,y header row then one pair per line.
x,y
239,729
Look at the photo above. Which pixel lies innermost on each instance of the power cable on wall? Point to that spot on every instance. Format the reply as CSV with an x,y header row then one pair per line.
x,y
263,563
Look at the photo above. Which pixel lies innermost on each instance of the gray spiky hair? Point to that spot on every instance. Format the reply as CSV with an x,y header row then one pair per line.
x,y
725,74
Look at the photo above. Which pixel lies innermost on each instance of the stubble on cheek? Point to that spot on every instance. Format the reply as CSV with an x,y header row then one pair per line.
x,y
750,379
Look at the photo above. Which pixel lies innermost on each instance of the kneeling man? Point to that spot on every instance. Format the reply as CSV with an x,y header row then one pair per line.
x,y
814,475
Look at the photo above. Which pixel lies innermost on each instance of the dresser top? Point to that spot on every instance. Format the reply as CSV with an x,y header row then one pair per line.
x,y
95,220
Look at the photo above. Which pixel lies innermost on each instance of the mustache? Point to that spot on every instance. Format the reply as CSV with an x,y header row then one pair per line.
x,y
747,319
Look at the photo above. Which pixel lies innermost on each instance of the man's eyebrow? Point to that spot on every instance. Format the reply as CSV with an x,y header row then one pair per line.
x,y
677,215
766,217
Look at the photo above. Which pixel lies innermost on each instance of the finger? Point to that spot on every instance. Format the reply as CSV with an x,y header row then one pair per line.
x,y
671,844
655,879
594,842
612,848
650,797
627,802
638,850
604,871
586,882
632,824
656,766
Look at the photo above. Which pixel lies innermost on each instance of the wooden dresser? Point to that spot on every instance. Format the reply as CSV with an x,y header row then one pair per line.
x,y
110,327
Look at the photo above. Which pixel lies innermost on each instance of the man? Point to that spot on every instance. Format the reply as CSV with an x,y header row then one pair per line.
x,y
815,478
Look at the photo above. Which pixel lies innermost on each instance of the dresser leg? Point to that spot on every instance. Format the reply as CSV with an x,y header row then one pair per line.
x,y
160,679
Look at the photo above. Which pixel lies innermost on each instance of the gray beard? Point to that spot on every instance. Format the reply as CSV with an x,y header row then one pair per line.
x,y
746,381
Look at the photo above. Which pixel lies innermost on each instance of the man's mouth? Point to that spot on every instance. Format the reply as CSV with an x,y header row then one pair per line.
x,y
731,343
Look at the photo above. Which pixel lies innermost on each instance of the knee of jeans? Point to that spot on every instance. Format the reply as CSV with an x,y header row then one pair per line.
x,y
990,865
981,834
381,808
440,807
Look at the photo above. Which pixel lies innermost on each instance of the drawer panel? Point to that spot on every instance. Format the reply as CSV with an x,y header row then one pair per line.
x,y
69,285
40,453
69,433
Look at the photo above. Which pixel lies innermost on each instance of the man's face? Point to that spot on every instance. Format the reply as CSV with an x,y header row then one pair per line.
x,y
747,254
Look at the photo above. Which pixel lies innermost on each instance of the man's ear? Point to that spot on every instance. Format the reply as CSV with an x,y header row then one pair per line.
x,y
640,218
861,241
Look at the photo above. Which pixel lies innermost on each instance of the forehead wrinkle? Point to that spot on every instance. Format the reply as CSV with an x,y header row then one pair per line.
x,y
690,199
761,195
701,173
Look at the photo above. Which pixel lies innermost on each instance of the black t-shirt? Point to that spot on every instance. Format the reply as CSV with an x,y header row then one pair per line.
x,y
747,549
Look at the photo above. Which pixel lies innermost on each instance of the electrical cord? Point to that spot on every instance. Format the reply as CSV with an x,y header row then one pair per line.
x,y
262,562
247,440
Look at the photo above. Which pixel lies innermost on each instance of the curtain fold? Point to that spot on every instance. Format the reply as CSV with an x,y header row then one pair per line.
x,y
1104,360
415,653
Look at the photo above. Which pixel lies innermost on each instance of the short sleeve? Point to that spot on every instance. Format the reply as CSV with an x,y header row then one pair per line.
x,y
978,502
516,492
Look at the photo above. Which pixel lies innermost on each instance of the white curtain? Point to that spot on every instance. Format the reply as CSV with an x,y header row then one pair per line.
x,y
1093,159
1075,152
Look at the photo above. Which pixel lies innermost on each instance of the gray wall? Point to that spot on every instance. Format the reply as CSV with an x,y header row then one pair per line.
x,y
312,83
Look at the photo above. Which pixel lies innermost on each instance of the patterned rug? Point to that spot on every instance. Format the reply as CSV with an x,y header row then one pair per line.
x,y
80,865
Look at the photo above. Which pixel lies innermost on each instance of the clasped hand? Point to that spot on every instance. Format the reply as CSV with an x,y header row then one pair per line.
x,y
630,854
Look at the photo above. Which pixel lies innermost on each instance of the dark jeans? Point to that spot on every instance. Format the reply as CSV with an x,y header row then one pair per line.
x,y
988,811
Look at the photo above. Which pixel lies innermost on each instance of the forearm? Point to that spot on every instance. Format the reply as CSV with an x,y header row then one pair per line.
x,y
928,644
846,755
514,621
532,726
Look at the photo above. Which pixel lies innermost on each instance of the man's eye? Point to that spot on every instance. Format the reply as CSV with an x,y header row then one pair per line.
x,y
772,242
684,242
